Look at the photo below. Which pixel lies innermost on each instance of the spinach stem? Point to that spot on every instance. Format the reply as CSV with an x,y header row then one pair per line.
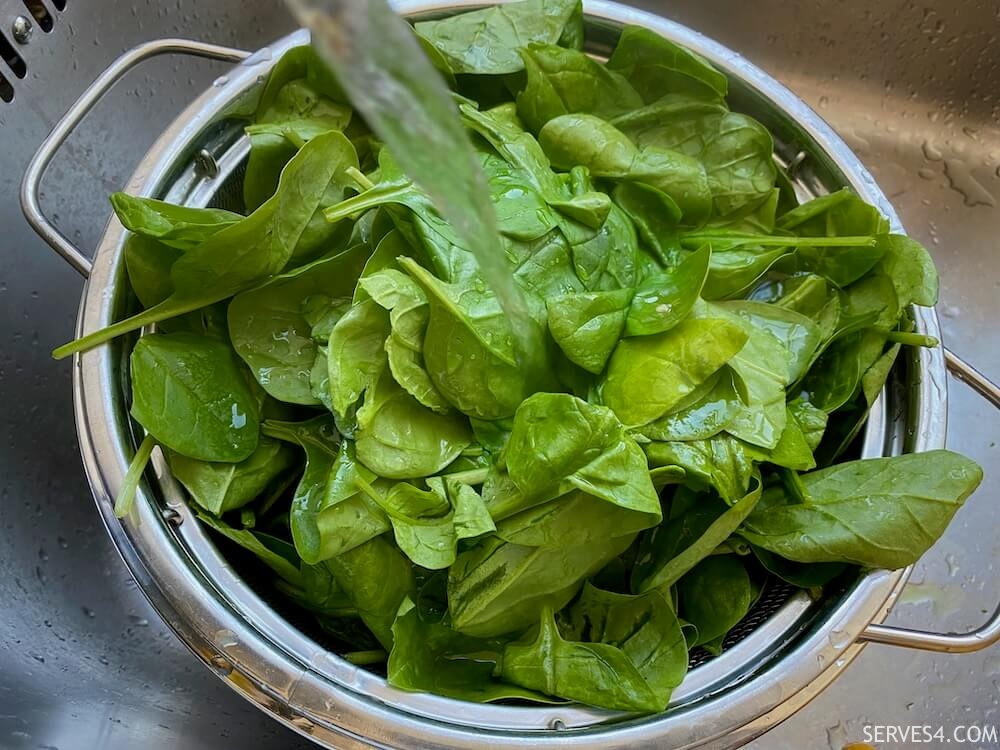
x,y
697,239
375,656
912,339
126,495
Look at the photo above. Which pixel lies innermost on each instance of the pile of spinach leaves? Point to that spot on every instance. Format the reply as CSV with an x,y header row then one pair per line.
x,y
337,388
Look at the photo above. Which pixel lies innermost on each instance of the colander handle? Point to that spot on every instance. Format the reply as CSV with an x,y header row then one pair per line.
x,y
955,643
31,183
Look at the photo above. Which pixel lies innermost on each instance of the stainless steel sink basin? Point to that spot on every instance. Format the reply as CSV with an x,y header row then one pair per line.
x,y
84,663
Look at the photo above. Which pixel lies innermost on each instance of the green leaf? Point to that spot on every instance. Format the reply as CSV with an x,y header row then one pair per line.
x,y
376,578
431,657
497,587
678,548
595,673
562,81
586,140
878,512
587,325
247,252
648,375
254,542
399,438
705,418
721,462
559,438
190,393
269,328
656,66
664,300
221,487
487,41
356,354
180,227
714,596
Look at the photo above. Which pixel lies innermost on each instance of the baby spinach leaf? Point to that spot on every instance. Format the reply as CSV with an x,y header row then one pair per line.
x,y
910,268
179,227
656,67
687,539
269,329
221,487
190,393
655,215
714,596
468,348
563,81
609,260
648,375
587,325
664,300
559,438
595,673
586,140
487,41
796,332
644,627
575,518
377,578
733,270
877,512
705,418
806,576
319,439
246,252
399,438
721,462
431,657
497,587
356,354
148,263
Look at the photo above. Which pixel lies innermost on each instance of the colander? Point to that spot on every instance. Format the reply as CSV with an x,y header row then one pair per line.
x,y
783,654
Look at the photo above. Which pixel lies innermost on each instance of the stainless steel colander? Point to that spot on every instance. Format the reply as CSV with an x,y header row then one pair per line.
x,y
787,650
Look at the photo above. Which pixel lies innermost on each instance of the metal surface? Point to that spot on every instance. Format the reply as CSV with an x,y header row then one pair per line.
x,y
31,185
57,566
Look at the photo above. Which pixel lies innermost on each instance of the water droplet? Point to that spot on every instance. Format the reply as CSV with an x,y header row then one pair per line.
x,y
220,81
952,563
926,173
139,622
88,612
824,102
931,152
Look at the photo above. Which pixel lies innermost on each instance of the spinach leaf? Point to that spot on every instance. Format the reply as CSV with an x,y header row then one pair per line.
x,y
319,439
648,375
705,418
687,539
643,626
714,596
191,394
721,462
180,227
428,524
356,354
588,325
399,438
255,543
222,487
800,336
248,251
586,140
487,41
878,512
595,673
497,587
431,657
656,67
733,270
563,81
559,438
376,578
656,216
665,299
269,328
468,348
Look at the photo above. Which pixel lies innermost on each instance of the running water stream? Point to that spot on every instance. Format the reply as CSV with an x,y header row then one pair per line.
x,y
405,101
